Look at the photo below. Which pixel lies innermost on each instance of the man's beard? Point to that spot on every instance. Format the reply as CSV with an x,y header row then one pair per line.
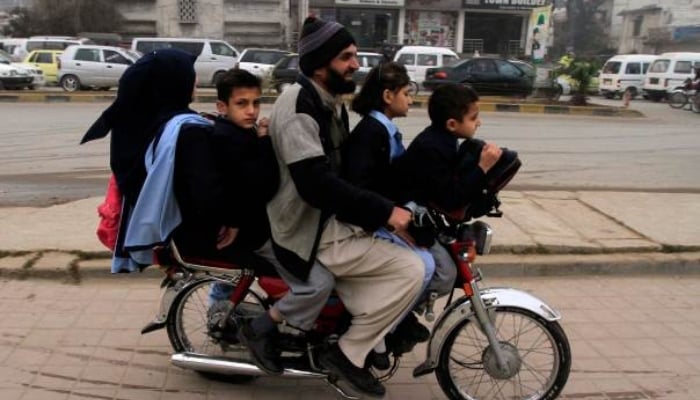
x,y
337,84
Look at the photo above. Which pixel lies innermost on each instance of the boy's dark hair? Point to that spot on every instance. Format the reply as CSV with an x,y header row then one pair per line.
x,y
450,100
235,78
389,75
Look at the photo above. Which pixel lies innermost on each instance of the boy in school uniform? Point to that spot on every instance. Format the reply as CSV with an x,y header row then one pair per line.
x,y
430,168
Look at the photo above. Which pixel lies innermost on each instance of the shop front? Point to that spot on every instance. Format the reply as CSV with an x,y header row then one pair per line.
x,y
372,22
506,27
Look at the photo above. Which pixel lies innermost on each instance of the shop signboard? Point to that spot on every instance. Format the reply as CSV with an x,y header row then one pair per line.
x,y
506,4
378,3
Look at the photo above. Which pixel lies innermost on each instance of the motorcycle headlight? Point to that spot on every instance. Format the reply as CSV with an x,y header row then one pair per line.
x,y
480,232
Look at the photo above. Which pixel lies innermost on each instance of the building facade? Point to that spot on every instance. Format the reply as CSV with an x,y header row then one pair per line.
x,y
504,27
650,26
259,23
500,27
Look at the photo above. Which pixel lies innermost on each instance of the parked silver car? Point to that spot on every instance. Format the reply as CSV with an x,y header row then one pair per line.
x,y
92,66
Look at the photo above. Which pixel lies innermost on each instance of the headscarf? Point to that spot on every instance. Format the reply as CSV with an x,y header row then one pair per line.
x,y
151,91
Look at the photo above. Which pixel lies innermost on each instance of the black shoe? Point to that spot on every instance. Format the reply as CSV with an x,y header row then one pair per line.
x,y
262,349
379,361
359,378
412,330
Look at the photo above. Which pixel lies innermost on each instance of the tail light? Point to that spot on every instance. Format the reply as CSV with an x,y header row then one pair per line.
x,y
666,82
440,75
58,62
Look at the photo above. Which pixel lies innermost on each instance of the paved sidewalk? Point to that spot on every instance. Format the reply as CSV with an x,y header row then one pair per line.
x,y
541,233
632,338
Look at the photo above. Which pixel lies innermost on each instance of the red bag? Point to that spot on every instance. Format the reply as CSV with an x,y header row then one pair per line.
x,y
110,213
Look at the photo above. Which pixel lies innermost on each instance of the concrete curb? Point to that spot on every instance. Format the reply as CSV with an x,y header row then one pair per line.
x,y
73,268
488,104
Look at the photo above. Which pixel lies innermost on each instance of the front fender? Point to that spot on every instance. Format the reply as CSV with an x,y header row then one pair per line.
x,y
461,309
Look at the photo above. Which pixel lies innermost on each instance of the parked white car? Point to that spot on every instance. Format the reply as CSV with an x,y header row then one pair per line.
x,y
36,73
13,77
260,62
92,66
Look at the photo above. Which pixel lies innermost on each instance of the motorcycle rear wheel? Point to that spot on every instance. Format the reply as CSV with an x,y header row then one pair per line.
x,y
540,347
188,330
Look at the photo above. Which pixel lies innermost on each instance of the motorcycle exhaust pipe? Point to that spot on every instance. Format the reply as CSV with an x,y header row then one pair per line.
x,y
227,366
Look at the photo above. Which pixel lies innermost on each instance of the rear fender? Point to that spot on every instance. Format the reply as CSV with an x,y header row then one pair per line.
x,y
461,310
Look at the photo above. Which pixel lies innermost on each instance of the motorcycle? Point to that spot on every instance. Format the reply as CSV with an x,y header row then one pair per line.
x,y
489,343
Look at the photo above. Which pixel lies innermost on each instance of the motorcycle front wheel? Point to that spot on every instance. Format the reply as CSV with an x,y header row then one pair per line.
x,y
677,99
188,326
536,349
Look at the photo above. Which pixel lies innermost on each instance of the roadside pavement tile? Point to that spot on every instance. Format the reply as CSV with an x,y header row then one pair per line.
x,y
58,377
238,393
5,350
185,395
23,357
661,383
632,365
92,393
130,393
178,379
593,368
11,394
685,329
604,315
613,347
625,330
12,336
14,263
69,356
147,358
111,356
416,391
619,389
679,346
101,377
57,320
673,365
120,338
82,337
581,389
143,378
46,338
19,320
46,394
101,307
53,261
645,347
586,330
14,376
653,329
96,267
581,348
93,321
589,223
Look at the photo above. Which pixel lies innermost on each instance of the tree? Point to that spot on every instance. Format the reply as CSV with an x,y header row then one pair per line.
x,y
65,17
583,31
582,72
18,23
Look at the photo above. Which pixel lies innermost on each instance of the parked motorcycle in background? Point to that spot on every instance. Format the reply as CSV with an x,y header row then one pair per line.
x,y
689,96
489,343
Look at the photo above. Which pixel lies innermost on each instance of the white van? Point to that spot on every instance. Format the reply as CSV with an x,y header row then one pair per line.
x,y
417,60
624,73
214,57
668,73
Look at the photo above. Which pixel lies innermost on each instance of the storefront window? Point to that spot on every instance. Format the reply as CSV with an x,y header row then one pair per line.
x,y
430,28
370,27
